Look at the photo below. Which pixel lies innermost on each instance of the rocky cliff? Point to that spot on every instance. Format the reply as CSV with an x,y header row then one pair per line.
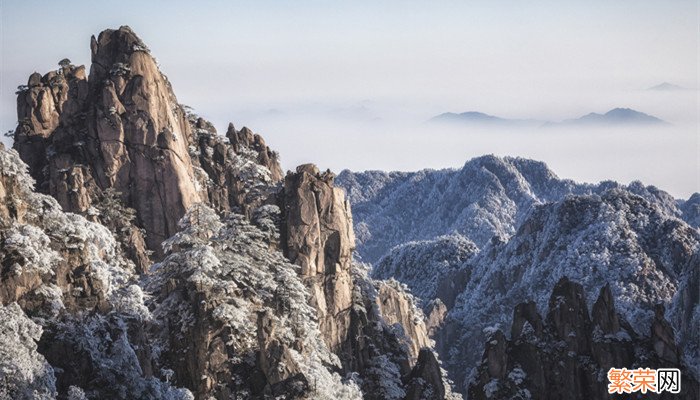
x,y
121,128
319,238
254,293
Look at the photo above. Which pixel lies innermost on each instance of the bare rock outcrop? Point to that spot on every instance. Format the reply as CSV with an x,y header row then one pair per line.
x,y
386,352
375,327
121,129
663,337
398,309
319,238
425,381
246,139
239,171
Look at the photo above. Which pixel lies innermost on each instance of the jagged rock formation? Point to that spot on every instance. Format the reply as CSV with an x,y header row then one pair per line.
x,y
425,379
319,238
122,129
239,171
383,352
256,294
245,138
397,308
372,325
568,354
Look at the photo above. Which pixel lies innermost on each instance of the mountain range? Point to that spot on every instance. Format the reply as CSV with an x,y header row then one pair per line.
x,y
614,117
144,255
665,86
473,243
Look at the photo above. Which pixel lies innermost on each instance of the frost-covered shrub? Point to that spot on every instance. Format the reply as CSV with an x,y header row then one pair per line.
x,y
112,212
52,296
387,378
47,236
12,166
31,246
245,166
268,218
24,373
76,393
102,347
197,226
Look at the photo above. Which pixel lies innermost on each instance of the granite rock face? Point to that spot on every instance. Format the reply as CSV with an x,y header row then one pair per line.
x,y
319,238
569,354
375,327
255,293
239,171
120,128
425,381
246,139
397,309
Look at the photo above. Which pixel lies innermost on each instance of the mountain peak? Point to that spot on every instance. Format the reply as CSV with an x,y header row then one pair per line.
x,y
665,86
124,130
616,116
469,116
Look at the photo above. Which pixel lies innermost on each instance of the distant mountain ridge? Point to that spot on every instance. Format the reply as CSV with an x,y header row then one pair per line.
x,y
667,87
475,117
615,117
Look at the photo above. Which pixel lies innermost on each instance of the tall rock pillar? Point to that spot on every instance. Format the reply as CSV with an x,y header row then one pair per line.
x,y
319,238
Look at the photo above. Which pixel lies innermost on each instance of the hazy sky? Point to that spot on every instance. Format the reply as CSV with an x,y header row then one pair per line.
x,y
349,84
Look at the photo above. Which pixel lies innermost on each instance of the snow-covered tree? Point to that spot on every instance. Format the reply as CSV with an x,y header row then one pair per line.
x,y
24,373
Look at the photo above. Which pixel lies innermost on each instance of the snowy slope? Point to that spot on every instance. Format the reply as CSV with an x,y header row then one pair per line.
x,y
428,267
485,198
531,228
